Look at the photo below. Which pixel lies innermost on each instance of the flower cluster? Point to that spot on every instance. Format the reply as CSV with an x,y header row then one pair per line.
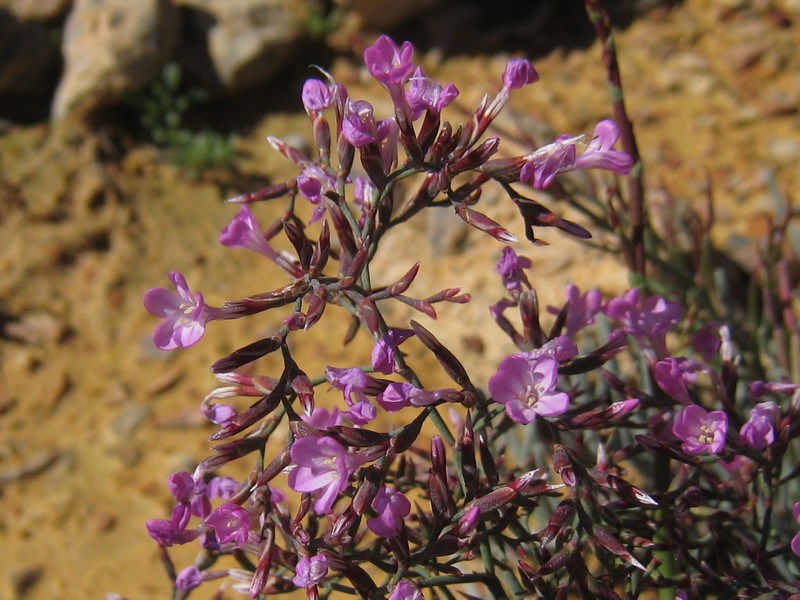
x,y
616,389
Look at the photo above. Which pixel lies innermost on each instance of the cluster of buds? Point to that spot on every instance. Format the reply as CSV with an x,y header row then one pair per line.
x,y
372,513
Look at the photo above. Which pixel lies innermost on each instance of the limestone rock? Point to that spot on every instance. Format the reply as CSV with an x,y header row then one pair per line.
x,y
247,41
111,47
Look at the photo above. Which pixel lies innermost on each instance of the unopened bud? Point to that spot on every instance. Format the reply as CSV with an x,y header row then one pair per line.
x,y
469,521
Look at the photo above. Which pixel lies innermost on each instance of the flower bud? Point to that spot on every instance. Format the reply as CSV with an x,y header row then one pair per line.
x,y
469,521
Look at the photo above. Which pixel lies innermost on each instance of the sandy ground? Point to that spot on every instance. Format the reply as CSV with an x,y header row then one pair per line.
x,y
93,418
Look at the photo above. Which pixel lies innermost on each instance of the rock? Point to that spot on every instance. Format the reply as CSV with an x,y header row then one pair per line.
x,y
111,47
246,42
36,10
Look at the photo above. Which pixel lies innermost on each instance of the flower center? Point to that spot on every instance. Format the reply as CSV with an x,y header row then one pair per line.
x,y
706,435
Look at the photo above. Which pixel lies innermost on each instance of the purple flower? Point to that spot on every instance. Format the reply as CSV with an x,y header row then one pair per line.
x,y
706,340
405,590
392,508
243,232
230,522
191,497
317,95
674,375
796,538
360,413
510,268
648,321
389,65
322,418
581,309
310,571
222,487
544,164
358,125
396,396
527,387
168,534
399,395
322,465
600,153
313,182
385,349
181,486
424,94
519,73
185,317
350,381
759,430
189,578
701,431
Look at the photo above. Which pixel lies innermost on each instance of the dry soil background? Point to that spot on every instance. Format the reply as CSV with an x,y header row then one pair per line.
x,y
93,418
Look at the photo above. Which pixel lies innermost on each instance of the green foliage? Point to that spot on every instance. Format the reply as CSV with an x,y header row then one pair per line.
x,y
163,108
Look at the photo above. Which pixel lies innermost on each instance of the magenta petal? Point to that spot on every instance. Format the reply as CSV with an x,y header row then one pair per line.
x,y
520,412
796,544
161,302
326,501
545,372
606,134
304,479
163,335
189,334
552,405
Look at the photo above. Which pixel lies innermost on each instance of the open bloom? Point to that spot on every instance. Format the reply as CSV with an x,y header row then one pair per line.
x,y
322,465
759,431
310,571
701,431
353,382
581,309
230,522
527,387
405,590
392,508
185,316
675,375
561,156
648,321
389,65
424,94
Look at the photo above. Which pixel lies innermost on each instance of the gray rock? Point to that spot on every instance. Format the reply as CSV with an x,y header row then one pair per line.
x,y
111,47
245,42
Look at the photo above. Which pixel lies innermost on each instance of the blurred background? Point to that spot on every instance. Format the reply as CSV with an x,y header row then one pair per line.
x,y
124,125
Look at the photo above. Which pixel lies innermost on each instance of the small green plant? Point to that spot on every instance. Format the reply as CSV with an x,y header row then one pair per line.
x,y
163,108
